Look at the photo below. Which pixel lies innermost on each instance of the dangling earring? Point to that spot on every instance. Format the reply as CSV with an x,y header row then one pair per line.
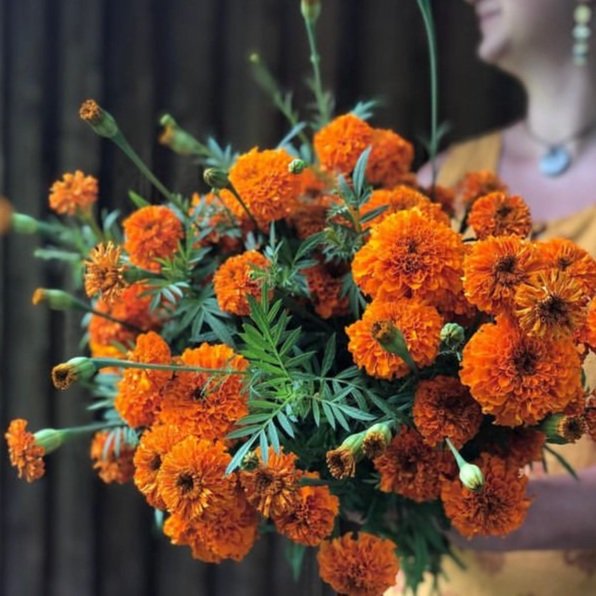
x,y
582,31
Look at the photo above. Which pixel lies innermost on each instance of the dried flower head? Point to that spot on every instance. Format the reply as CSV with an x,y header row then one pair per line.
x,y
497,509
112,457
500,214
152,232
519,379
26,455
235,280
361,565
104,275
443,408
75,193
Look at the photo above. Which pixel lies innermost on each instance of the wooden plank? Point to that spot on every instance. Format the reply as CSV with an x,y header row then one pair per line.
x,y
25,513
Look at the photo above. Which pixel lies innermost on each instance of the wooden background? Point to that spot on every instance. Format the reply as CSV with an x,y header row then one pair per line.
x,y
69,535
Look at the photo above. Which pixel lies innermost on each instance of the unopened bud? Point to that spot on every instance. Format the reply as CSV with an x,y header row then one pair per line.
x,y
296,166
471,476
50,439
341,462
56,299
376,439
392,340
311,10
216,178
102,122
178,139
452,335
76,369
24,224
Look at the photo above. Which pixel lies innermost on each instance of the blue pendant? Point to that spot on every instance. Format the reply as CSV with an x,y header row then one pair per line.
x,y
555,161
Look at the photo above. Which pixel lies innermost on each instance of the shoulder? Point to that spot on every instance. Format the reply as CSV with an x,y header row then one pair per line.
x,y
477,153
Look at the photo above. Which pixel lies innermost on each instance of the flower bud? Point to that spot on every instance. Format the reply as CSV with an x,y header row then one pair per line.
x,y
471,476
76,369
56,299
24,224
296,166
177,139
392,340
311,10
102,122
341,462
452,335
376,439
216,178
50,439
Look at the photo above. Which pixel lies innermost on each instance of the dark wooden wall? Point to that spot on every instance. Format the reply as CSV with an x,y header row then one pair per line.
x,y
69,535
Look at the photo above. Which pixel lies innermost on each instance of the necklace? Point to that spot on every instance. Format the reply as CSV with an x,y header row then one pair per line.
x,y
557,157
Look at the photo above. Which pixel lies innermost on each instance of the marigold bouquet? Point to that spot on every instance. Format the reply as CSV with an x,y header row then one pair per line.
x,y
318,345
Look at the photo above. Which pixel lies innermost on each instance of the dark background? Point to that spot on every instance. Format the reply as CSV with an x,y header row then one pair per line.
x,y
69,535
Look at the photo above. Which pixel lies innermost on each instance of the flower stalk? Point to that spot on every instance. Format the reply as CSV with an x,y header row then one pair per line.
x,y
470,475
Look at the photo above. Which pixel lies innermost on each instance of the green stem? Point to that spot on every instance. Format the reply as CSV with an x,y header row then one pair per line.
x,y
87,428
434,86
123,144
315,59
108,362
90,220
456,454
237,196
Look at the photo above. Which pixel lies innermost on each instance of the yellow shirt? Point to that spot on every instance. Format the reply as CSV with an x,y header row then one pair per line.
x,y
523,573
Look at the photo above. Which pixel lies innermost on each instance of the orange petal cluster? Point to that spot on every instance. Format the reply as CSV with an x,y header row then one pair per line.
x,y
361,565
519,379
75,193
390,159
326,291
234,281
151,233
498,508
24,453
477,184
500,214
419,324
104,274
112,458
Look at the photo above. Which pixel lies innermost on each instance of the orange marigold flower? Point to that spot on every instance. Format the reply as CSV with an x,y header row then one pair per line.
x,y
519,446
493,270
409,256
235,280
519,379
313,518
192,480
419,324
411,468
184,532
154,445
550,304
565,255
272,487
112,457
497,509
313,182
391,157
24,452
341,462
340,143
326,291
361,565
205,405
132,307
140,390
104,275
499,214
587,333
75,193
442,195
265,184
310,215
443,407
477,184
402,198
590,415
151,233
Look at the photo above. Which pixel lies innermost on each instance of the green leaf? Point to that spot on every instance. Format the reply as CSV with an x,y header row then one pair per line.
x,y
138,201
243,432
239,455
358,176
285,424
329,355
295,556
273,437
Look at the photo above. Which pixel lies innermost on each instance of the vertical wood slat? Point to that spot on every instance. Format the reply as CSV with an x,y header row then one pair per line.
x,y
140,58
24,515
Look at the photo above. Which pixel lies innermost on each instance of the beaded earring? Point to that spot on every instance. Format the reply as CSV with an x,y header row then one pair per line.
x,y
582,31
